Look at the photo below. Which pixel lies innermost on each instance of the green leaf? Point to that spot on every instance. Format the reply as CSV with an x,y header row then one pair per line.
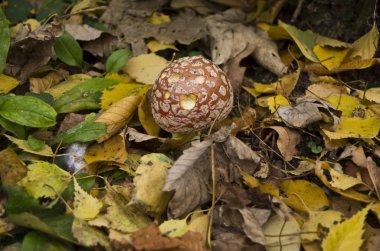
x,y
68,50
35,144
18,10
83,132
36,241
5,38
16,129
84,96
28,111
85,182
45,179
59,226
19,201
117,60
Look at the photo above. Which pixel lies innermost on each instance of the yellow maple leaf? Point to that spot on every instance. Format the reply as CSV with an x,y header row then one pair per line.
x,y
346,235
86,207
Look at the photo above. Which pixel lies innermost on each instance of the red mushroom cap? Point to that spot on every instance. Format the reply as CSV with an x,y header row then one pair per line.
x,y
191,94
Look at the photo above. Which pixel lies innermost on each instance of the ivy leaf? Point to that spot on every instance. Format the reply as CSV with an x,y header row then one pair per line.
x,y
117,60
28,111
68,50
84,96
5,38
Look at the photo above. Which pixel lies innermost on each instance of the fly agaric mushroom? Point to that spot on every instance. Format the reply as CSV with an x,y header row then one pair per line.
x,y
191,94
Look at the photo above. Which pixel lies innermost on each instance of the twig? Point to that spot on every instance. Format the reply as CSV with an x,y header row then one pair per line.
x,y
211,212
297,11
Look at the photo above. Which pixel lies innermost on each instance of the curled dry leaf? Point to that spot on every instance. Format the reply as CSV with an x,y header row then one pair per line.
x,y
82,32
118,115
287,141
229,37
190,173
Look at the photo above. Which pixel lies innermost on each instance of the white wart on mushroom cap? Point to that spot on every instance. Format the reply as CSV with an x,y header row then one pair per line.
x,y
190,94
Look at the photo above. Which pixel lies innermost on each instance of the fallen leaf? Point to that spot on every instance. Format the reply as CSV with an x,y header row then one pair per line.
x,y
149,183
68,50
199,223
155,46
86,207
345,103
323,90
5,37
7,83
374,173
372,94
346,235
301,115
44,179
82,32
145,68
303,196
118,115
45,150
174,228
230,37
330,57
355,128
287,141
252,226
317,219
365,47
115,93
146,117
12,169
112,149
89,236
40,85
282,234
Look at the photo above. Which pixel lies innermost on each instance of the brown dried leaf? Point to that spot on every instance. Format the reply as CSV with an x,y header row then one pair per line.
x,y
12,169
40,85
374,173
287,141
82,32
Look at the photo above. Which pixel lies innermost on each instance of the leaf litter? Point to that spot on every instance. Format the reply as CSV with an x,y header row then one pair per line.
x,y
295,166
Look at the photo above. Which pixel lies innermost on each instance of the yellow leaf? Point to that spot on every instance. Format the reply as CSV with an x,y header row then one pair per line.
x,y
146,117
122,78
114,93
113,149
303,196
275,102
59,89
118,115
7,83
45,180
330,57
149,182
345,103
346,235
355,128
317,219
31,24
86,207
145,68
275,32
89,236
84,4
270,188
23,144
282,234
305,40
174,228
365,47
252,91
325,177
199,223
249,180
265,88
155,46
345,66
12,169
159,18
324,90
372,94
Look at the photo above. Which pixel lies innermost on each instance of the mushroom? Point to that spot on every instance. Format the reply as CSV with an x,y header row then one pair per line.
x,y
191,94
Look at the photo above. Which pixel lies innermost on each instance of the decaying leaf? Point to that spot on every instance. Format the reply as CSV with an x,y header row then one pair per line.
x,y
89,236
287,142
12,169
149,182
